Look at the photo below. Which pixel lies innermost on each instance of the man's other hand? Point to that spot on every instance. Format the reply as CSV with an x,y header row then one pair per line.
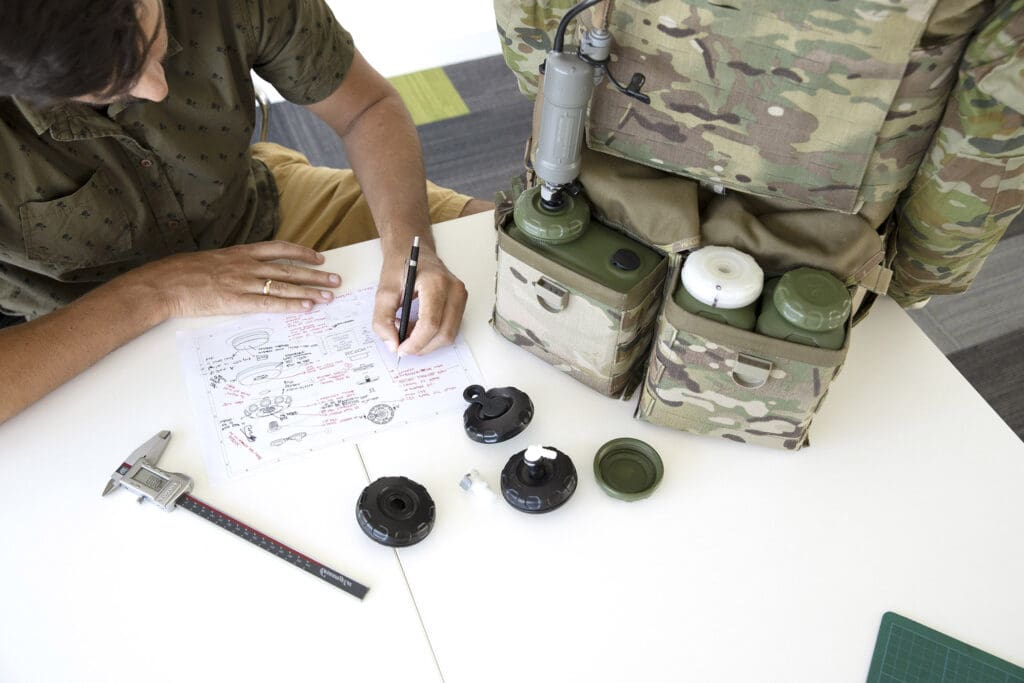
x,y
442,298
240,279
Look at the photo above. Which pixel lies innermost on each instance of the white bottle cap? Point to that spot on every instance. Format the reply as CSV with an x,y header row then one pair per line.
x,y
722,277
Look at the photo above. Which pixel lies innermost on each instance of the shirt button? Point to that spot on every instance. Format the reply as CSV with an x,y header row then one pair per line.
x,y
146,163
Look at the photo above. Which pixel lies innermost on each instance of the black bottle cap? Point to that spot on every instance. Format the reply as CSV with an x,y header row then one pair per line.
x,y
496,414
626,259
395,511
538,485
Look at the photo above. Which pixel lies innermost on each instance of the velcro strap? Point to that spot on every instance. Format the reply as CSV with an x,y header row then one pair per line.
x,y
877,280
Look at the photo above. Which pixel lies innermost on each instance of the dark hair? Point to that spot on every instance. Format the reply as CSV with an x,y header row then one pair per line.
x,y
54,50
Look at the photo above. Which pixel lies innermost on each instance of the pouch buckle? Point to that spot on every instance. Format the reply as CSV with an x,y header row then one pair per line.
x,y
551,296
750,371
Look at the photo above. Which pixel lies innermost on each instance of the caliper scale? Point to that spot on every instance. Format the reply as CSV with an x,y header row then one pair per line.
x,y
140,475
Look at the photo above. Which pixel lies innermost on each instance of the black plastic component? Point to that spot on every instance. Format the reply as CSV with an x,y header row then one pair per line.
x,y
626,259
395,511
539,486
496,415
556,202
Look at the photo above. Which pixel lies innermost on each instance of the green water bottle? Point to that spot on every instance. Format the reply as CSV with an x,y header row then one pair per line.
x,y
721,283
806,306
568,237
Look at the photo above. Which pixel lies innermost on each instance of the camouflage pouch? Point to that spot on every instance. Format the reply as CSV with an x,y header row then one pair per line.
x,y
587,330
712,379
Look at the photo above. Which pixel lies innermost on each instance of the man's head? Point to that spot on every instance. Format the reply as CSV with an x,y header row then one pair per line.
x,y
82,50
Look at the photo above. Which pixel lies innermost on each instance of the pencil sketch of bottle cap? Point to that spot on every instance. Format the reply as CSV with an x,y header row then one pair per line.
x,y
250,340
381,414
268,406
263,372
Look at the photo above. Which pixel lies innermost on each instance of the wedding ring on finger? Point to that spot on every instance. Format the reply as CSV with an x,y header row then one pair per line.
x,y
266,287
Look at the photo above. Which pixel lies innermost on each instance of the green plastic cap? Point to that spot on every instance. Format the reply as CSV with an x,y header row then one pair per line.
x,y
628,469
812,299
552,227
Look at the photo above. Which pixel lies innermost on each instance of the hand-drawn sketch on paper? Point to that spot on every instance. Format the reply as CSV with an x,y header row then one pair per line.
x,y
268,387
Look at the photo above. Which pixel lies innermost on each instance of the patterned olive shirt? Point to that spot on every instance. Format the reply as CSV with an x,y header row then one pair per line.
x,y
87,194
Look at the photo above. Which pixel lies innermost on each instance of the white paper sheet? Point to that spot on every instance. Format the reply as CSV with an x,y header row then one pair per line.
x,y
270,387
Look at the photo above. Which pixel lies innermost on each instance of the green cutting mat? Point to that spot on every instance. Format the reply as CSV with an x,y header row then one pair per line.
x,y
907,652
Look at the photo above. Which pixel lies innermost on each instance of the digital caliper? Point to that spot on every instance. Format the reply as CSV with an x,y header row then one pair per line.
x,y
140,475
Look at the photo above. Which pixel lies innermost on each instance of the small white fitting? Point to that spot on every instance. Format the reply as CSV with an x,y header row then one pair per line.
x,y
535,453
474,483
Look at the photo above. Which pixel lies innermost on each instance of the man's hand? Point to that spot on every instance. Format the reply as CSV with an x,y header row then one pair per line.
x,y
442,302
232,280
38,356
381,143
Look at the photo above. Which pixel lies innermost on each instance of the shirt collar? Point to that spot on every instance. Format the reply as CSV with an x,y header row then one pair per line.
x,y
40,119
173,48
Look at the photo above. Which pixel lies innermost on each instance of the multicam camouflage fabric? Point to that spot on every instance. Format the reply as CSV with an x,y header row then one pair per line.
x,y
970,186
690,386
527,31
599,343
792,105
783,98
720,73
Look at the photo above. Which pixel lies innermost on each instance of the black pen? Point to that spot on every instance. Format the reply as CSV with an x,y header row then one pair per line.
x,y
410,283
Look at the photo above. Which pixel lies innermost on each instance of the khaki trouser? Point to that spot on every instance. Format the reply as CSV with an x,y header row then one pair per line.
x,y
323,208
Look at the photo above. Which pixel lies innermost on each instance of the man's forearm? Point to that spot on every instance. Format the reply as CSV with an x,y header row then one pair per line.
x,y
383,149
385,153
38,356
265,277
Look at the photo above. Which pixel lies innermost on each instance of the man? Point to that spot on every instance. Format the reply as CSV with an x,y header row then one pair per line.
x,y
129,194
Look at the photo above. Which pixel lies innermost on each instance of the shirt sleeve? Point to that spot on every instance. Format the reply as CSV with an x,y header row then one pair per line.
x,y
298,47
970,186
19,298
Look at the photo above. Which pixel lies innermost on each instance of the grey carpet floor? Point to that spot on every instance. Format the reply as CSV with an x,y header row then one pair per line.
x,y
476,154
981,331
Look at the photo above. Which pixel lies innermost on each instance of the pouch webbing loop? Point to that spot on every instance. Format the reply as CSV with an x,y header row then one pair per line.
x,y
750,371
552,297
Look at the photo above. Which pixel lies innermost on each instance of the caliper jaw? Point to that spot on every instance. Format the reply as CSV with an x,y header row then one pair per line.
x,y
150,452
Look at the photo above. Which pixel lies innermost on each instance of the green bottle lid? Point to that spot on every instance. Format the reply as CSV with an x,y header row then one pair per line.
x,y
551,226
744,317
628,469
812,299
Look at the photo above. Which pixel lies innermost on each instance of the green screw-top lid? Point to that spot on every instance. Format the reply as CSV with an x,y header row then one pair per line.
x,y
628,469
812,299
553,227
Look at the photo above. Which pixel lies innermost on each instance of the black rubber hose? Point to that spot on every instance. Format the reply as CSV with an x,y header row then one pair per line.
x,y
569,16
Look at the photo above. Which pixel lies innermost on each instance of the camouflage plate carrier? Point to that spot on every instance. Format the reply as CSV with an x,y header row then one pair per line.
x,y
882,141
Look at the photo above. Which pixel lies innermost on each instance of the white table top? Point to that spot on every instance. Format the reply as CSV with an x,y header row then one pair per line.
x,y
746,563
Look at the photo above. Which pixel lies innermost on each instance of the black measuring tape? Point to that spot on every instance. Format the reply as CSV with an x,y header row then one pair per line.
x,y
274,547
